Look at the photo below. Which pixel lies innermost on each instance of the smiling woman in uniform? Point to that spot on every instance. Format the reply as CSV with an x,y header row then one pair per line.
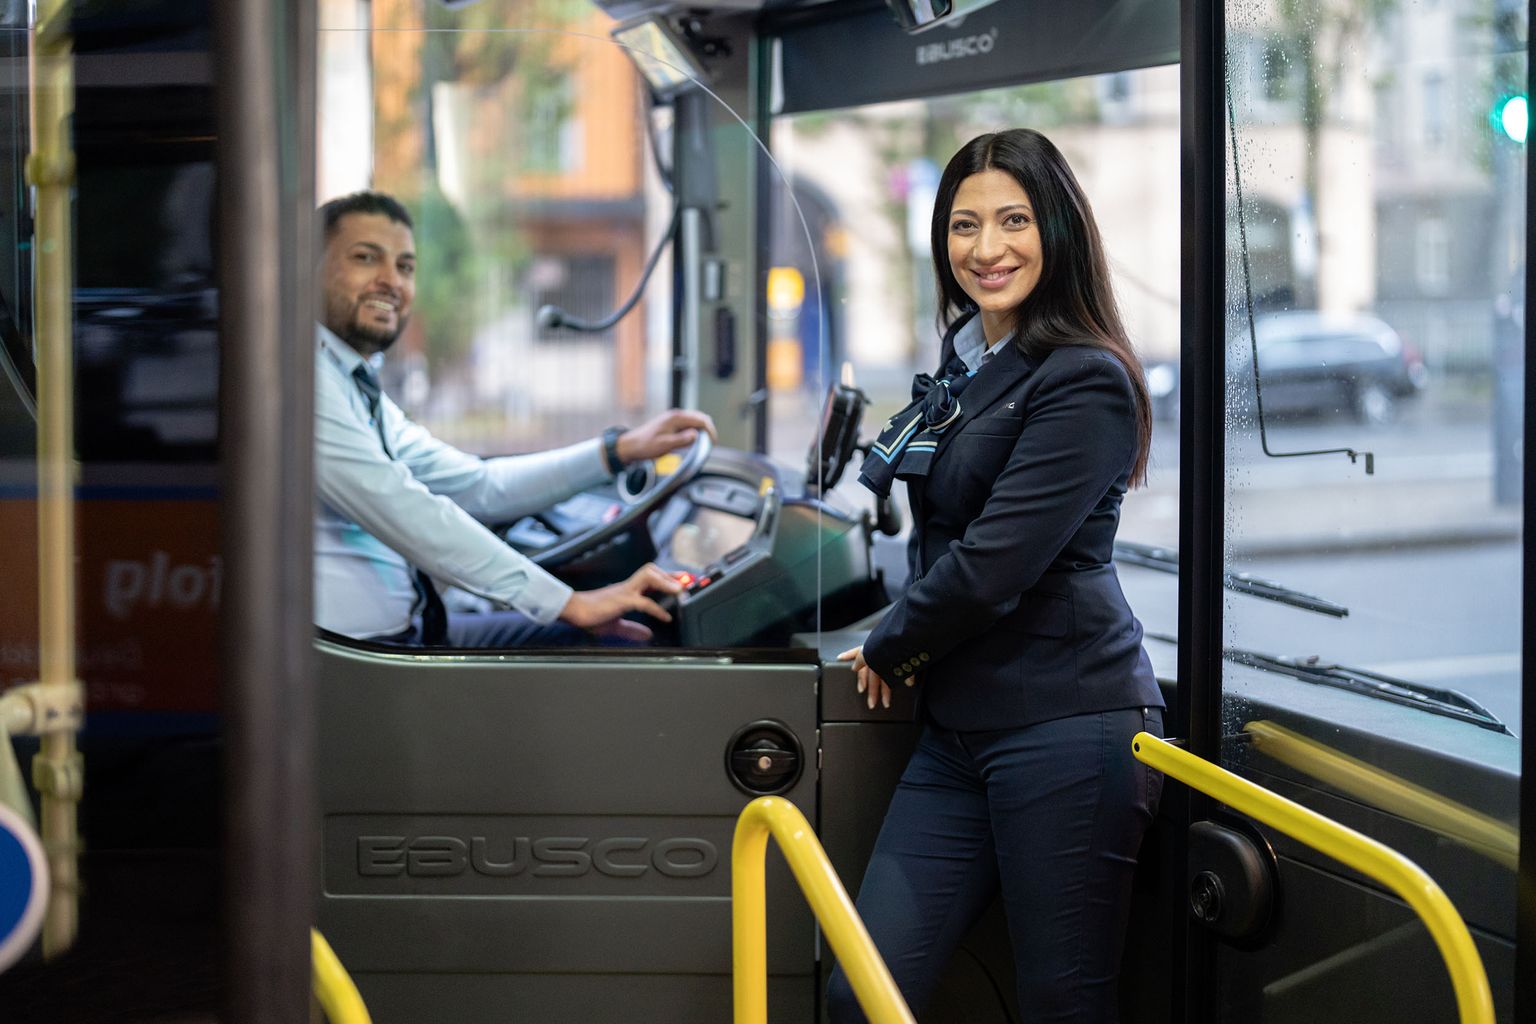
x,y
1028,663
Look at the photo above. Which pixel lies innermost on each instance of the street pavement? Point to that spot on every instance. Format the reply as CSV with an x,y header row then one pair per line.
x,y
1432,485
1446,616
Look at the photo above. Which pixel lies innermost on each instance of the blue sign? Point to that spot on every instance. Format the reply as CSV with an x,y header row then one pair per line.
x,y
23,886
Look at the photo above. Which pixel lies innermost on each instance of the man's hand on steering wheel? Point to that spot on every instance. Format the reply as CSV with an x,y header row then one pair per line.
x,y
673,429
602,610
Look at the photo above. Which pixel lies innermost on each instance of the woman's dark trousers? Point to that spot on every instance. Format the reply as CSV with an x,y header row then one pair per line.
x,y
1052,816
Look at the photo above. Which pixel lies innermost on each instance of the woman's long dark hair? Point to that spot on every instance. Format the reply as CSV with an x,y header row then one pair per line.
x,y
1073,303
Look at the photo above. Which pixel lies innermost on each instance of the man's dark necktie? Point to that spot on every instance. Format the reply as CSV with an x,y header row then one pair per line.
x,y
434,617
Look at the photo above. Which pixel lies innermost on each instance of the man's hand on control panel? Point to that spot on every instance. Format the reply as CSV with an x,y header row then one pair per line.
x,y
602,610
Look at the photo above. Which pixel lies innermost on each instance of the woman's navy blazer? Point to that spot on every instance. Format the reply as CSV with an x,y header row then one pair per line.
x,y
1014,614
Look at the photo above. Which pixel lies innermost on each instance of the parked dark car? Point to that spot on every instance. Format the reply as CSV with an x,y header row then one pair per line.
x,y
1311,364
1314,363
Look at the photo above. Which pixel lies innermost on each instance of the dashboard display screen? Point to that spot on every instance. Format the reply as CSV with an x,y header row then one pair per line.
x,y
708,536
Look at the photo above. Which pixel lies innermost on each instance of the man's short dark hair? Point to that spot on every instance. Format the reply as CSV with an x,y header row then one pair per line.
x,y
363,202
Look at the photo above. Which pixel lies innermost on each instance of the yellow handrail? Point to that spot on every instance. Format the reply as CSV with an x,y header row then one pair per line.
x,y
1372,859
1494,839
57,770
338,997
872,983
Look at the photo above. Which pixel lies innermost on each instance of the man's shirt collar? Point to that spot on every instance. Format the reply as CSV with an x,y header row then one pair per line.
x,y
345,356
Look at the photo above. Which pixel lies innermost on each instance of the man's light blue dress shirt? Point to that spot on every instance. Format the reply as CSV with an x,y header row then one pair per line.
x,y
377,516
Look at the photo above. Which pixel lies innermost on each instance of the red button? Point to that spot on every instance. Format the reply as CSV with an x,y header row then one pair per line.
x,y
704,581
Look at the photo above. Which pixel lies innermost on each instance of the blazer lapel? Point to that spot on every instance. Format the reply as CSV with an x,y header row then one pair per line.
x,y
1001,374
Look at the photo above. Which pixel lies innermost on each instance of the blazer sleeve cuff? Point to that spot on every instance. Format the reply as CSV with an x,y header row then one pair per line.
x,y
892,661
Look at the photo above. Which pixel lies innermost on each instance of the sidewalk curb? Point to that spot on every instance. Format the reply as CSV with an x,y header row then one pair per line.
x,y
1454,535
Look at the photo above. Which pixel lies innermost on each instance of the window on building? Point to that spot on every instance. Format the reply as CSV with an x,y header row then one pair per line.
x,y
1434,110
1275,72
1432,256
550,140
580,285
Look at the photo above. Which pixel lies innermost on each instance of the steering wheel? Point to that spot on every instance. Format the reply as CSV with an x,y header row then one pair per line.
x,y
568,549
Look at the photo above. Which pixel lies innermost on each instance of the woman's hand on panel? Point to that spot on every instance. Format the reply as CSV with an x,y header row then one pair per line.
x,y
870,683
602,610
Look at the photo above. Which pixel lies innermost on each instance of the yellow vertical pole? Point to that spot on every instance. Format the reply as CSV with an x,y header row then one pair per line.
x,y
57,769
872,983
333,986
749,920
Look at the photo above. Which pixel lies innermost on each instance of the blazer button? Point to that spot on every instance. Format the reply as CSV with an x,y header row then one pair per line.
x,y
923,656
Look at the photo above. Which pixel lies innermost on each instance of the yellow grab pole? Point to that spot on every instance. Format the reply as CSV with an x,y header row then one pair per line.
x,y
57,770
334,989
872,983
1479,832
1474,1000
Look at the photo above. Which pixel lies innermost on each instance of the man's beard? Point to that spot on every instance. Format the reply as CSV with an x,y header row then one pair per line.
x,y
360,337
369,339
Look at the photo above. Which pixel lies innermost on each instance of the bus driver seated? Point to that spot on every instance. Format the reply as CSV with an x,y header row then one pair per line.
x,y
398,509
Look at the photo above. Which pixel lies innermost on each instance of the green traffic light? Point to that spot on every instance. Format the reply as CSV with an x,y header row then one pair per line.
x,y
1512,116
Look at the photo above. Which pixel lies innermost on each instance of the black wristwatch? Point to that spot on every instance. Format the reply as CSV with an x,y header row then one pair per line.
x,y
611,449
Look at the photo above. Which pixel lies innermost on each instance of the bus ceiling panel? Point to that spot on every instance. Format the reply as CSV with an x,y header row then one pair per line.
x,y
1000,45
627,9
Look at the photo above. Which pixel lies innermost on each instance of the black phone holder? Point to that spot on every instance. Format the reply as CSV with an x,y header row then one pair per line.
x,y
835,442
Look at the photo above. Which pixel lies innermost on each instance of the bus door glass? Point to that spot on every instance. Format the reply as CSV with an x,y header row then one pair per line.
x,y
1375,228
546,833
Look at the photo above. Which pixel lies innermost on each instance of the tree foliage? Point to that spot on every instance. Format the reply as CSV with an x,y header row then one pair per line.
x,y
507,51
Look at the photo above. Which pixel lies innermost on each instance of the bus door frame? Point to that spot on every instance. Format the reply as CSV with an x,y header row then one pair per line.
x,y
1197,714
1525,929
265,77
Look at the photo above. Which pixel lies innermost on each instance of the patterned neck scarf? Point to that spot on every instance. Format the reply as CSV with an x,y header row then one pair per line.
x,y
907,445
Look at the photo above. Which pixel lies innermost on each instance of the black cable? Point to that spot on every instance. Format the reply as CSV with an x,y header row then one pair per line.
x,y
1253,336
550,317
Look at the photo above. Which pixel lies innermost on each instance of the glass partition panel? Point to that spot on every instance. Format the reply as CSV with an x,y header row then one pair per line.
x,y
1375,254
544,179
586,798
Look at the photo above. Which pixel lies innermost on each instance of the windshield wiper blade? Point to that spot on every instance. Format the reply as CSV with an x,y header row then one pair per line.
x,y
1434,699
1152,556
